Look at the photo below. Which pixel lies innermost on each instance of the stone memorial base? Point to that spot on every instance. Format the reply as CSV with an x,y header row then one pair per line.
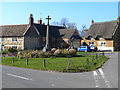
x,y
46,49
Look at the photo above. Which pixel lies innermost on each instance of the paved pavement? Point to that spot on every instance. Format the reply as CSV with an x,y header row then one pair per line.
x,y
104,77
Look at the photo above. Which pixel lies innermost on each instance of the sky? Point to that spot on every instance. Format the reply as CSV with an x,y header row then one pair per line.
x,y
80,13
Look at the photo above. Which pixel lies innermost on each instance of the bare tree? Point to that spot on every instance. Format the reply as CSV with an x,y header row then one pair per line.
x,y
56,23
72,26
64,22
83,27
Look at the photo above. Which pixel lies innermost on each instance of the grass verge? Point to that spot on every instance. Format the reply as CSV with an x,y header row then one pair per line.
x,y
78,64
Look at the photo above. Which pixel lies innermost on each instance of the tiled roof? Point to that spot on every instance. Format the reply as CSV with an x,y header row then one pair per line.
x,y
68,33
13,30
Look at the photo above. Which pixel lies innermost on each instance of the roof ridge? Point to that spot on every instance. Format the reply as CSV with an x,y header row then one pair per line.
x,y
15,25
104,22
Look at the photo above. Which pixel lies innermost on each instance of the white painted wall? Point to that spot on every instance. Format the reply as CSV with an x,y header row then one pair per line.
x,y
106,48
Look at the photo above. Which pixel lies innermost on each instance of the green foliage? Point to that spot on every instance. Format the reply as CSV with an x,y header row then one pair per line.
x,y
58,53
53,50
72,52
4,52
78,64
48,54
41,54
12,50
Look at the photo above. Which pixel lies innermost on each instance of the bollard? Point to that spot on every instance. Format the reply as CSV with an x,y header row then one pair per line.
x,y
92,58
103,53
87,61
96,56
44,63
27,61
12,59
68,64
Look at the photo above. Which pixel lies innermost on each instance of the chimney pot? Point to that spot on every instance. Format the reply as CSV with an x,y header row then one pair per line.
x,y
31,19
39,21
118,19
92,21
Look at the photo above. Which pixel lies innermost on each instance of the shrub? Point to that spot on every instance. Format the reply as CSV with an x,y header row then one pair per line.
x,y
41,54
53,50
34,53
25,55
11,50
48,54
29,54
20,55
58,52
4,52
65,52
72,52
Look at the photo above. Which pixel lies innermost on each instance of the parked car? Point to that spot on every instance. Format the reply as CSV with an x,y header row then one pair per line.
x,y
93,48
84,48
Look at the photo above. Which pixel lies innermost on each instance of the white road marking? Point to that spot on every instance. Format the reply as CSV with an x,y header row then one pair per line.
x,y
95,73
109,56
19,76
95,78
103,76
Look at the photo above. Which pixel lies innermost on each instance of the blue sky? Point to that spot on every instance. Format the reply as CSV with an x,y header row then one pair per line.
x,y
79,12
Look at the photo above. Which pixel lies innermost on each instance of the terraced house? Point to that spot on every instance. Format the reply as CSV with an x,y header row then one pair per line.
x,y
104,35
33,36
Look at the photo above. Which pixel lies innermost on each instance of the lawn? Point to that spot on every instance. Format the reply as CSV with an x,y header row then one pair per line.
x,y
77,64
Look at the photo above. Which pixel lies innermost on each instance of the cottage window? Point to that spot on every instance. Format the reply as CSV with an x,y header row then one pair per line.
x,y
91,43
14,47
14,39
99,37
103,44
2,39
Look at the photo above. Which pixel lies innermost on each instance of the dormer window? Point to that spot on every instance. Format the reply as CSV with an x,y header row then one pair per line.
x,y
90,37
99,37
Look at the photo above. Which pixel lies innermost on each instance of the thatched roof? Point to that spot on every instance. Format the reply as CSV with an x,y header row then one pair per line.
x,y
104,29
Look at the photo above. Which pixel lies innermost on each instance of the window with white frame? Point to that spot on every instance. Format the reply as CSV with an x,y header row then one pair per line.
x,y
14,47
2,39
103,44
91,43
99,37
14,39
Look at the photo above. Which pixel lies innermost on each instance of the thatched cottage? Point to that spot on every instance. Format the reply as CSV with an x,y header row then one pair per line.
x,y
104,35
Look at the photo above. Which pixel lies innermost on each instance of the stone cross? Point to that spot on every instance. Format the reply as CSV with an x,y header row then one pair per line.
x,y
48,19
47,34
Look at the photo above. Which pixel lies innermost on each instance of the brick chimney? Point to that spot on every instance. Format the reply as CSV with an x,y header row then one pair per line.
x,y
92,21
40,21
118,19
31,19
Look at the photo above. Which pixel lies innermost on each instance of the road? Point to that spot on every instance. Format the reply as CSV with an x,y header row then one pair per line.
x,y
104,77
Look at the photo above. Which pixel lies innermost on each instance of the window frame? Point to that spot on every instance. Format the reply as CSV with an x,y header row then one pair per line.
x,y
2,39
14,46
103,44
14,39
